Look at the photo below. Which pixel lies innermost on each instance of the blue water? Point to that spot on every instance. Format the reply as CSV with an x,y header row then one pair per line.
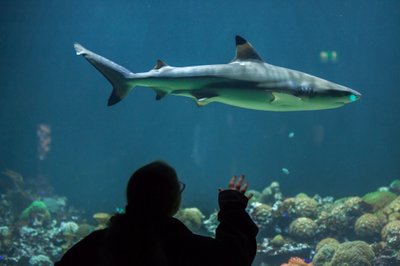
x,y
95,148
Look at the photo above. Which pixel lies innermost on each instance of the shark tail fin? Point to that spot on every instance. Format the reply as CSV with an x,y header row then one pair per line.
x,y
117,75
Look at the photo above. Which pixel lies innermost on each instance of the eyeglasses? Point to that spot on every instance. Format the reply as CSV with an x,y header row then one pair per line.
x,y
181,186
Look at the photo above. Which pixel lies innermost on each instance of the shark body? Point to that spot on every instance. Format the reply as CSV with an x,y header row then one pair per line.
x,y
246,82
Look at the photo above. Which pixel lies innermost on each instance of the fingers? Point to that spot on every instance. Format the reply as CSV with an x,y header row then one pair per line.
x,y
244,188
239,183
231,184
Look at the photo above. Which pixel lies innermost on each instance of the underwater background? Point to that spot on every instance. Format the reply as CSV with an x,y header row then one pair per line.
x,y
57,133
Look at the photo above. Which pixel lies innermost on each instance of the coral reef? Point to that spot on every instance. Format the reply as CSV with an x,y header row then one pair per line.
x,y
294,229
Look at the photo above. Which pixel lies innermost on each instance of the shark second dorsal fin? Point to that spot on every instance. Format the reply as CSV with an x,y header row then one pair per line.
x,y
160,64
244,50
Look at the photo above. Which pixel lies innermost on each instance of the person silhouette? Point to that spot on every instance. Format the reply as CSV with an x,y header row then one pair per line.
x,y
147,234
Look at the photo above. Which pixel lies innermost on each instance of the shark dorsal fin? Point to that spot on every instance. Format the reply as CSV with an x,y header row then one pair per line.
x,y
244,50
160,64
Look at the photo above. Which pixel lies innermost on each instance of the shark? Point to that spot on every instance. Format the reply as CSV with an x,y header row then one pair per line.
x,y
247,82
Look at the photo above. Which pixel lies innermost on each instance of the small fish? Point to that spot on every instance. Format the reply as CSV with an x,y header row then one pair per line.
x,y
291,135
285,171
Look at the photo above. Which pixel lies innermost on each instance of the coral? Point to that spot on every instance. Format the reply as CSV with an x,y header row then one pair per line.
x,y
211,223
271,193
55,204
355,253
343,215
256,196
379,199
83,230
367,226
101,219
262,215
295,261
41,260
278,241
5,238
392,210
191,217
391,234
326,241
325,254
36,213
395,186
305,206
303,228
68,229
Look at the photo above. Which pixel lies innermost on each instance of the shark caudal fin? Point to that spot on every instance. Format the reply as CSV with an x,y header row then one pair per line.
x,y
117,75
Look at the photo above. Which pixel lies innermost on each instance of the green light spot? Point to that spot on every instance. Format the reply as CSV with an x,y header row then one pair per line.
x,y
352,98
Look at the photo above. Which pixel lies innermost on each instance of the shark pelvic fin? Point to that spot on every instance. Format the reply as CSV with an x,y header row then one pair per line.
x,y
244,50
160,64
160,94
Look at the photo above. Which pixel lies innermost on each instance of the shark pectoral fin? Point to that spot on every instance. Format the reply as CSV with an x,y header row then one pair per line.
x,y
284,99
203,97
160,94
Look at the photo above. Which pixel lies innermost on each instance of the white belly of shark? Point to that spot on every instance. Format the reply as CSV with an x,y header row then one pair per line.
x,y
246,82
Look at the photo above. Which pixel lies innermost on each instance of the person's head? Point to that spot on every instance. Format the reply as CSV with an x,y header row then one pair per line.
x,y
154,191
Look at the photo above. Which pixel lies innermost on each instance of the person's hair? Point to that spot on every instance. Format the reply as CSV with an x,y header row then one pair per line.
x,y
153,194
153,190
